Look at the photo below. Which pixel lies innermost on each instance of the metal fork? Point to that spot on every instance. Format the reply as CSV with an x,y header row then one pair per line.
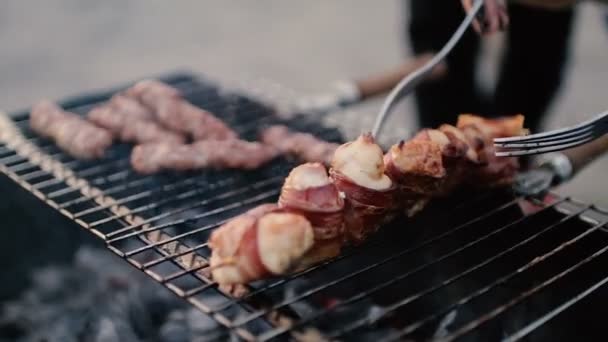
x,y
409,82
556,140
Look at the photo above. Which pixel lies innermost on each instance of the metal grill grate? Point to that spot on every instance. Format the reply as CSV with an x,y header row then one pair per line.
x,y
484,259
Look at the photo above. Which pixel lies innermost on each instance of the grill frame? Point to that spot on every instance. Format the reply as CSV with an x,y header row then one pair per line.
x,y
19,154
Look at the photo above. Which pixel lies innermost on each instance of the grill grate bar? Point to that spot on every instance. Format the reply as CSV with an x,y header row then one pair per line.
x,y
189,194
199,289
98,181
499,310
103,168
25,165
172,256
81,174
416,325
372,266
376,288
266,194
395,306
109,191
140,195
33,175
5,150
182,273
156,217
263,195
11,159
546,318
248,201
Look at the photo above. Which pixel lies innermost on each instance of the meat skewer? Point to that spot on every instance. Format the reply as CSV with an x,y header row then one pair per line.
x,y
308,191
262,242
129,121
431,164
73,134
357,170
174,112
428,165
303,146
216,154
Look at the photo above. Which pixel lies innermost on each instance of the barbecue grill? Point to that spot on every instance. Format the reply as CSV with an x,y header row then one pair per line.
x,y
481,266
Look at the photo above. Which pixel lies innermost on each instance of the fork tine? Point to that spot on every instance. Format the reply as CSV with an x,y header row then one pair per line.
x,y
547,143
543,137
533,151
555,134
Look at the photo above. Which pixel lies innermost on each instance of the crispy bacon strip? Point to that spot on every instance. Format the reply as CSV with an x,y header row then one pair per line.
x,y
176,113
129,121
303,146
215,154
308,191
262,242
78,137
507,126
357,170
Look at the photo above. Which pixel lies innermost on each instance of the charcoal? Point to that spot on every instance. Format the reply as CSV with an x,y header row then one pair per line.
x,y
175,329
100,298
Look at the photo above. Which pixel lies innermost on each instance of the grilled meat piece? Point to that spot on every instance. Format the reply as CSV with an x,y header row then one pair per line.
x,y
357,169
262,242
417,167
458,158
308,191
129,121
76,136
176,113
303,146
480,132
215,154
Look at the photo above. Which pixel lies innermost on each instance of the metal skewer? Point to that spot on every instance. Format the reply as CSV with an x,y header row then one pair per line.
x,y
412,80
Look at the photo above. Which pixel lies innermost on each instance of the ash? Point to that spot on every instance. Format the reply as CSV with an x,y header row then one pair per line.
x,y
101,298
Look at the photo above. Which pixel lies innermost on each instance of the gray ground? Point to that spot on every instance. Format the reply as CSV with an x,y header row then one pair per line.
x,y
57,48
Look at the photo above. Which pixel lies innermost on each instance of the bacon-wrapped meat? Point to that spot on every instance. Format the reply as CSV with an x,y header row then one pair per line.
x,y
480,132
357,169
417,167
262,242
303,146
129,121
309,191
457,156
177,114
215,154
76,136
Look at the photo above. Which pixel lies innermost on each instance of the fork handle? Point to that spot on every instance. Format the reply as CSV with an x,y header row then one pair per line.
x,y
583,155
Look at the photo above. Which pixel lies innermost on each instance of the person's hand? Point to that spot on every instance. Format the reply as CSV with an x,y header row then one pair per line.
x,y
495,16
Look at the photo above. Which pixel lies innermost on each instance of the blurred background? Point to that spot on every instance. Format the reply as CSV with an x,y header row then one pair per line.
x,y
64,47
